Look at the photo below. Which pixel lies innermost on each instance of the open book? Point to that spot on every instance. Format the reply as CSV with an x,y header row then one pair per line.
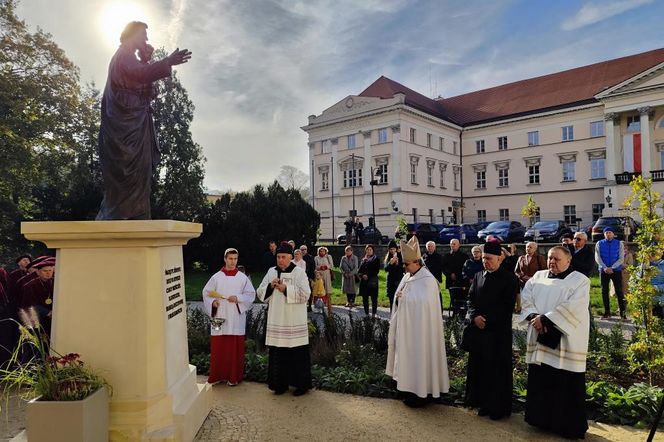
x,y
289,280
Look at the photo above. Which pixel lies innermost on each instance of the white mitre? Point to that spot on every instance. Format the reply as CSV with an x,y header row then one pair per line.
x,y
410,251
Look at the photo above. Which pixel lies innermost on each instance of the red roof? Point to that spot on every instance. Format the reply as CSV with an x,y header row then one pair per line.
x,y
548,92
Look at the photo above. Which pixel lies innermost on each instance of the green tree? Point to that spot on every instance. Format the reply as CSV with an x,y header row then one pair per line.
x,y
39,101
646,352
530,210
248,220
178,183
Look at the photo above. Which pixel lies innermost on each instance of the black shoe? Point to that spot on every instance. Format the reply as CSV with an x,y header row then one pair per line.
x,y
483,412
299,392
280,391
495,417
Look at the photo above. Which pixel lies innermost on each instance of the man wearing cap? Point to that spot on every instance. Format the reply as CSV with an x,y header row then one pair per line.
x,y
286,289
228,295
609,256
491,301
38,293
416,357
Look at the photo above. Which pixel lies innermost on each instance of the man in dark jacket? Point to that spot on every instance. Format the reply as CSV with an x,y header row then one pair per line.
x,y
434,261
583,258
453,265
270,257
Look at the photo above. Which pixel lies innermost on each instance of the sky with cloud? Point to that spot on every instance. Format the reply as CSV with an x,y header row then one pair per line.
x,y
260,67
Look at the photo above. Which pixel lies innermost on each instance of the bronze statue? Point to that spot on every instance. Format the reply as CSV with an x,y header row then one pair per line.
x,y
128,147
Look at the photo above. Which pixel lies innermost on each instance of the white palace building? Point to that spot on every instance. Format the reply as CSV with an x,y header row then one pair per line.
x,y
571,139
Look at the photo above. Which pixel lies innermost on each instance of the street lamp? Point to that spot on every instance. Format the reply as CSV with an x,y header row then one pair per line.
x,y
373,183
608,200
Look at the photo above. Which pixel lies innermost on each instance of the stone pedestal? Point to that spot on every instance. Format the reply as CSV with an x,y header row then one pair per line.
x,y
119,301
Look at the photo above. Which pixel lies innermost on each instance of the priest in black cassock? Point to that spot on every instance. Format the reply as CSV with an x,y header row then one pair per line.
x,y
490,304
128,150
555,306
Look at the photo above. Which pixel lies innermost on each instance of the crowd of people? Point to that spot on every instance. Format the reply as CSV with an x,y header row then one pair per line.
x,y
26,296
548,293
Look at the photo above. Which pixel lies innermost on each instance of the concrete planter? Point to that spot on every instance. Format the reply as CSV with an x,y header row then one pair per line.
x,y
69,421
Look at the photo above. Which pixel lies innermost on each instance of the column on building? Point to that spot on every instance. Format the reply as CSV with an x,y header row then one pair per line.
x,y
395,171
366,175
312,171
646,150
334,170
612,147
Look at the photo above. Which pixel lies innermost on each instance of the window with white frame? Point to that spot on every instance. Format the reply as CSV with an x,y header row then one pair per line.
x,y
596,128
504,214
325,146
661,159
533,138
480,179
569,170
431,216
634,123
325,180
502,143
430,166
503,177
353,178
455,176
568,133
429,140
479,146
536,217
597,211
412,134
481,216
382,135
382,173
454,147
413,169
351,141
414,214
441,143
597,168
442,167
534,174
569,214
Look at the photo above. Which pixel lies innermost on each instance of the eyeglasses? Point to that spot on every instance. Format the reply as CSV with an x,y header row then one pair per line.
x,y
578,239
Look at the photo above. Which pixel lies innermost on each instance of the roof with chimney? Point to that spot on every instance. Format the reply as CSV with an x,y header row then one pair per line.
x,y
568,88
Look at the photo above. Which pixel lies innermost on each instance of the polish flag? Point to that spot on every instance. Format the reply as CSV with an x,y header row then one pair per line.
x,y
632,152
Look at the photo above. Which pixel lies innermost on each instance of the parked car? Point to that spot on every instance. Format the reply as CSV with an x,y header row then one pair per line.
x,y
505,231
370,235
619,223
481,225
424,232
547,231
465,233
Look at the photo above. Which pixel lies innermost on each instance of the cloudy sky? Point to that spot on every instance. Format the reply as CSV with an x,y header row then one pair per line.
x,y
260,67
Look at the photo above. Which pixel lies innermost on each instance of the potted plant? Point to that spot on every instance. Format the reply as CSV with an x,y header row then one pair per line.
x,y
68,401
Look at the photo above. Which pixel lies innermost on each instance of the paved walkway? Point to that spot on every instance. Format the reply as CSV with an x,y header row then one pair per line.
x,y
250,412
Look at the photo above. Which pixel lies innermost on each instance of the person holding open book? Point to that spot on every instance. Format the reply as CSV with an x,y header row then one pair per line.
x,y
228,295
286,289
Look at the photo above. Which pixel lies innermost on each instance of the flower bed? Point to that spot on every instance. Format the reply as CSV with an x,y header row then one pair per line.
x,y
349,356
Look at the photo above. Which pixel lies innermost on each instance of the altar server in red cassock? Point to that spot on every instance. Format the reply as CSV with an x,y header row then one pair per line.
x,y
228,295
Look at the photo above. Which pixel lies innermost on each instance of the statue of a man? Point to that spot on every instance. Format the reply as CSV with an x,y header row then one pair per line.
x,y
128,147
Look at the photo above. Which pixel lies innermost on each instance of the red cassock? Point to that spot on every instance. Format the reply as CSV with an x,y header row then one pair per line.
x,y
3,278
12,279
38,294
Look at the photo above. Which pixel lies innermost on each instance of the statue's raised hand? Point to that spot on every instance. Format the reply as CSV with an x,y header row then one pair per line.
x,y
179,56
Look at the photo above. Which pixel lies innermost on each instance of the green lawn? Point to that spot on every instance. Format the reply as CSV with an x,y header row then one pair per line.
x,y
196,279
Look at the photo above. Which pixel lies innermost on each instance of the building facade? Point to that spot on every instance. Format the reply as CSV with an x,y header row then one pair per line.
x,y
573,140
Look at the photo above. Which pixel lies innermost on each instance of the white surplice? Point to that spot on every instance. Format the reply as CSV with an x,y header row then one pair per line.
x,y
565,303
287,322
238,285
416,356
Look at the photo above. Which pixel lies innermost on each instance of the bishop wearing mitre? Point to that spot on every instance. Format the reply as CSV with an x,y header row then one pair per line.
x,y
416,357
228,295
